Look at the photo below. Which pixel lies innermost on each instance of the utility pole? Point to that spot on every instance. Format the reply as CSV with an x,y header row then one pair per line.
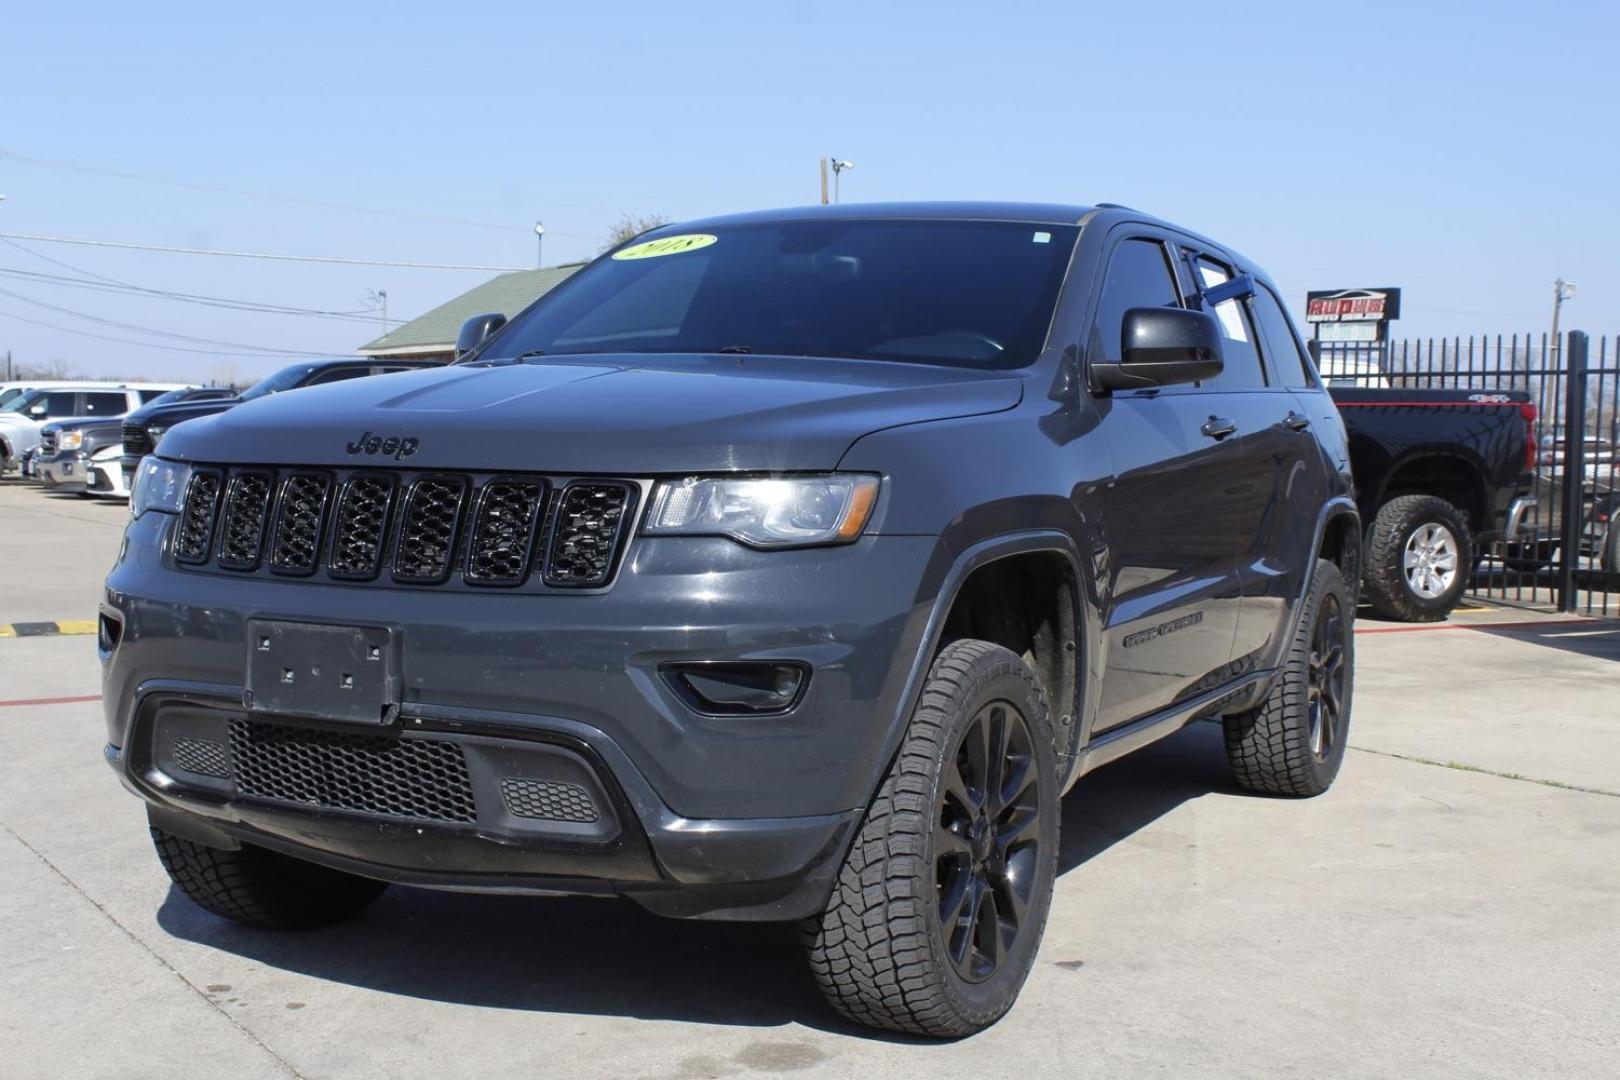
x,y
1562,290
823,181
539,244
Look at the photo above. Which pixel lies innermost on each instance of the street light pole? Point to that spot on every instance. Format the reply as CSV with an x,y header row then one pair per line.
x,y
1562,290
838,168
539,244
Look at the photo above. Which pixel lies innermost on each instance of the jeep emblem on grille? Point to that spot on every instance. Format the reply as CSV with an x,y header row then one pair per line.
x,y
387,445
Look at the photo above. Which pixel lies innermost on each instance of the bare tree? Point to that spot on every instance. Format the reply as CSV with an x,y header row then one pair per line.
x,y
630,226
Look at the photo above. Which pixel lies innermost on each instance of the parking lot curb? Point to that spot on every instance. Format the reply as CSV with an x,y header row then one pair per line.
x,y
47,629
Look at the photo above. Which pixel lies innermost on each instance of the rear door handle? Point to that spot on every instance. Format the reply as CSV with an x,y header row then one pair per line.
x,y
1296,422
1217,428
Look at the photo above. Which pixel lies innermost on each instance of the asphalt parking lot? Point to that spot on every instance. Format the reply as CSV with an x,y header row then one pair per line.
x,y
1450,909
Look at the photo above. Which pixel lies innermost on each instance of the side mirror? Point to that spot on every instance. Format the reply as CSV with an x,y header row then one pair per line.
x,y
36,410
475,330
1161,346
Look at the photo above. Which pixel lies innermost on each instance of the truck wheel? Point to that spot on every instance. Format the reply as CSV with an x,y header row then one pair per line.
x,y
1293,743
933,923
263,888
1417,555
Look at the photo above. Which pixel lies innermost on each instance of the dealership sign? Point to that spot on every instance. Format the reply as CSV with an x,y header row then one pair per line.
x,y
1353,305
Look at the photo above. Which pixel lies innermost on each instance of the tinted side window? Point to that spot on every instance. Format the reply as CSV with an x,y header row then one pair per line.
x,y
1243,370
1287,356
339,375
148,395
107,404
58,403
1138,275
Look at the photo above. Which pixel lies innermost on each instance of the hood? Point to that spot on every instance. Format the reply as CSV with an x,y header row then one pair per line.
x,y
181,410
640,415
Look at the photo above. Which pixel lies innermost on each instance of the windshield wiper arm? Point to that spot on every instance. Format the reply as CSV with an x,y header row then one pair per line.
x,y
739,349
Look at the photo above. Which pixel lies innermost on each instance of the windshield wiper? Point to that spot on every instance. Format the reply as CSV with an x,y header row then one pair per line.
x,y
503,361
739,349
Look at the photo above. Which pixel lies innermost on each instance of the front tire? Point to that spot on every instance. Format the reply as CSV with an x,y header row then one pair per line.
x,y
940,905
1417,554
1294,742
262,888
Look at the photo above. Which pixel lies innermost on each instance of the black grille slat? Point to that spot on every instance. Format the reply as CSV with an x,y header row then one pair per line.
x,y
299,513
420,779
136,442
242,521
586,535
195,531
428,529
504,525
47,443
360,527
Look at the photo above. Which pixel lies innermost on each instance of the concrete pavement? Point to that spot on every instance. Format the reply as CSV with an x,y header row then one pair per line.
x,y
1420,920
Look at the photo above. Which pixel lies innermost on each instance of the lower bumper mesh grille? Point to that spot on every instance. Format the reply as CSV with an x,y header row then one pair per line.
x,y
422,779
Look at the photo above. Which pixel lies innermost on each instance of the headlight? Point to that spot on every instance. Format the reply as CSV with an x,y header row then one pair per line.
x,y
159,485
69,440
792,511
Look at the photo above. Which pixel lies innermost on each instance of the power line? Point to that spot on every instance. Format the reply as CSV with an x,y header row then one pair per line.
x,y
289,354
123,289
296,200
250,254
217,301
156,333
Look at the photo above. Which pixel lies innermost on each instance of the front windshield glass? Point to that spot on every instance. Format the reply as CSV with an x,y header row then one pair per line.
x,y
965,293
19,404
170,397
285,379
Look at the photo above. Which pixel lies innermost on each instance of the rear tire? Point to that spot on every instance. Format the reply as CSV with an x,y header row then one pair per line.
x,y
1294,742
934,921
1418,552
258,887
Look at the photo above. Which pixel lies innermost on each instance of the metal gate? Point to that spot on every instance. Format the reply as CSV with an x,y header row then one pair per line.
x,y
1565,561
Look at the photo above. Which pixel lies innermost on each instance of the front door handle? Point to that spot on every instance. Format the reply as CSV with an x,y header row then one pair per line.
x,y
1296,422
1217,428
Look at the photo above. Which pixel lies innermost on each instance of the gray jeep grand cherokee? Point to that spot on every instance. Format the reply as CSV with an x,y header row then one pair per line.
x,y
785,566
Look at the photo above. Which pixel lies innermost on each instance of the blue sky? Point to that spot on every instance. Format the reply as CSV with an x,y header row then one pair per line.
x,y
1467,152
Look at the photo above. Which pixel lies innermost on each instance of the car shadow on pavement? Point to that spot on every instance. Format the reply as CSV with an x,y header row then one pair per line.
x,y
610,957
1599,640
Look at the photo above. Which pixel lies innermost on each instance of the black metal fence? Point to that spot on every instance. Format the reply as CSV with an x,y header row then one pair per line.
x,y
1567,561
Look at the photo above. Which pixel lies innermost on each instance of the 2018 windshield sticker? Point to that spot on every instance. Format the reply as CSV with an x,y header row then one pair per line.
x,y
666,245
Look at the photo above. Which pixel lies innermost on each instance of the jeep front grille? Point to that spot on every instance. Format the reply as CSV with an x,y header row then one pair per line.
x,y
423,779
406,528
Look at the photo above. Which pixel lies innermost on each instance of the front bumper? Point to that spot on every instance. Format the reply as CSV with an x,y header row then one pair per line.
x,y
721,816
1518,510
65,471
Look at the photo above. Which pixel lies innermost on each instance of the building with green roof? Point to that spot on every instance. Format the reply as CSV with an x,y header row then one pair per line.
x,y
433,335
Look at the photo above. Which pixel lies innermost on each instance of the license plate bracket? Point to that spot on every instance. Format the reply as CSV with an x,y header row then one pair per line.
x,y
322,672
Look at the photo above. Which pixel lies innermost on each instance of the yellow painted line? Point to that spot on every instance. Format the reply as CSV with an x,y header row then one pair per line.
x,y
58,628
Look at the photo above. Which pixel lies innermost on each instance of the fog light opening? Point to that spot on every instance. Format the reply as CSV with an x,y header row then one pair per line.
x,y
738,687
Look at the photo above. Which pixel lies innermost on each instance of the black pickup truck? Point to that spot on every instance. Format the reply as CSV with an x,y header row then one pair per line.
x,y
1440,476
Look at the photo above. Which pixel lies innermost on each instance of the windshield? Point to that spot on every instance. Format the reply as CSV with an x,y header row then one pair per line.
x,y
170,397
285,379
966,293
18,404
